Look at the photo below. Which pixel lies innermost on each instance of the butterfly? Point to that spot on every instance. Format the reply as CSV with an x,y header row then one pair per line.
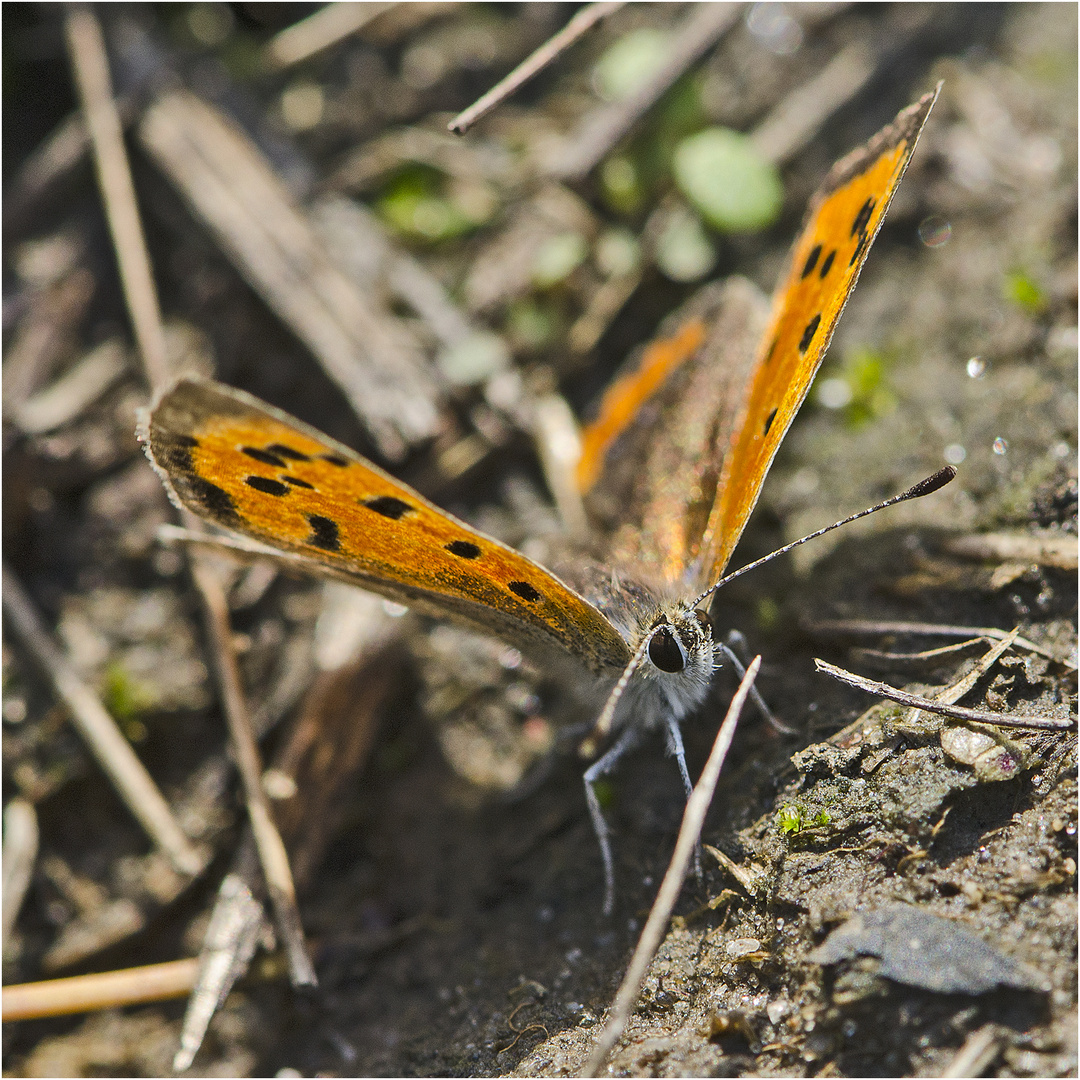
x,y
676,492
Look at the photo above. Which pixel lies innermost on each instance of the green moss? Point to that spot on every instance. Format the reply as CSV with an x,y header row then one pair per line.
x,y
1022,290
127,700
767,613
420,204
792,819
605,793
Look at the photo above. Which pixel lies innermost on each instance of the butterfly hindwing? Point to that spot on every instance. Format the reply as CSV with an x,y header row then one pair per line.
x,y
661,461
248,467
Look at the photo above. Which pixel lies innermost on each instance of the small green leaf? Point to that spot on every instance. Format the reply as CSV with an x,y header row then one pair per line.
x,y
790,819
558,257
617,252
415,205
605,793
620,184
1025,292
768,613
860,388
127,700
683,251
631,60
474,359
732,186
530,325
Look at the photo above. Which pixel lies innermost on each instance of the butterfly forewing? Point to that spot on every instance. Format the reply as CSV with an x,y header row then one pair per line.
x,y
842,221
247,467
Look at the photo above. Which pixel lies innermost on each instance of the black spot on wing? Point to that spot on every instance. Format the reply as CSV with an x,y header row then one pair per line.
x,y
809,332
826,266
296,482
266,485
264,456
860,248
811,261
768,422
463,549
772,349
215,502
862,218
173,452
335,459
324,533
525,591
287,452
388,506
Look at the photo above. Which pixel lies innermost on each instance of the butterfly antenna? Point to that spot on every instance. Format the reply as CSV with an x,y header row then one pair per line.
x,y
602,728
923,487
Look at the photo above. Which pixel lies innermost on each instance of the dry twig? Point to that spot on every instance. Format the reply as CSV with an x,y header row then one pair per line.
x,y
975,1056
601,130
233,189
20,854
871,626
104,990
272,854
957,712
91,66
320,30
97,727
228,946
798,117
693,818
532,65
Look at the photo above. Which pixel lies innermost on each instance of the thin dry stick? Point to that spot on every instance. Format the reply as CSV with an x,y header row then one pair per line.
x,y
229,944
99,730
319,31
532,65
271,848
693,818
20,854
231,186
91,67
974,1057
870,626
952,694
706,24
957,712
105,990
922,655
796,120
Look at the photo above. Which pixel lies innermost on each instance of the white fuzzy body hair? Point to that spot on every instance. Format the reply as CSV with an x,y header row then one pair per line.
x,y
653,695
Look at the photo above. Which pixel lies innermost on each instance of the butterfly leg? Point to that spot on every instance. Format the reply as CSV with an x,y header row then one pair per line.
x,y
629,738
675,747
734,638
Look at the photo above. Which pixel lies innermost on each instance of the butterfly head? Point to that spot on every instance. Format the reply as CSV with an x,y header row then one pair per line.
x,y
679,655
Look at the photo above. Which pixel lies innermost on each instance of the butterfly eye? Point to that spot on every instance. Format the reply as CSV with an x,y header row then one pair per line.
x,y
703,622
666,652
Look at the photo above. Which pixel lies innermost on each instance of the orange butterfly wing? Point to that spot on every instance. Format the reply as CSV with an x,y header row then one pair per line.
x,y
624,398
243,465
842,221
